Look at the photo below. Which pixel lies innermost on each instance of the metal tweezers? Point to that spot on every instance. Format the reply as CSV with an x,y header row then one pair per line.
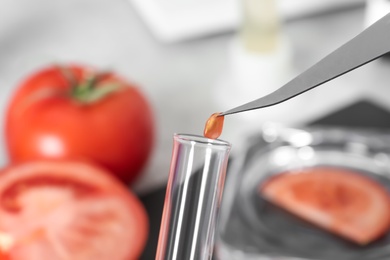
x,y
367,46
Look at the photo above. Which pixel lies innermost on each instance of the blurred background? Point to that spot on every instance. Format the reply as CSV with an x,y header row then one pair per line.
x,y
193,58
183,62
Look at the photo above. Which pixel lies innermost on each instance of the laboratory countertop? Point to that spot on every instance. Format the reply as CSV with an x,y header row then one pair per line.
x,y
179,78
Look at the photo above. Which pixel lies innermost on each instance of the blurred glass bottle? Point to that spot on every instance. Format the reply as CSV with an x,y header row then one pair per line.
x,y
259,62
260,31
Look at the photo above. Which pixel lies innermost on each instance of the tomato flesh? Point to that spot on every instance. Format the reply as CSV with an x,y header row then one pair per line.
x,y
338,200
9,198
214,126
76,212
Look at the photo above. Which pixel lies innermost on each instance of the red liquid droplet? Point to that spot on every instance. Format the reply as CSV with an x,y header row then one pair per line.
x,y
214,126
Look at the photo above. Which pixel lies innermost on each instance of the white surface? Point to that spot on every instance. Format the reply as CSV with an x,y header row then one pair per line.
x,y
175,20
376,9
178,79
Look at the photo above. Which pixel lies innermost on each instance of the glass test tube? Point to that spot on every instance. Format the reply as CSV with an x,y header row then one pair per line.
x,y
193,196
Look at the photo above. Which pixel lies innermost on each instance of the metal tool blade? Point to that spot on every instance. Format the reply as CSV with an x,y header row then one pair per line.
x,y
367,46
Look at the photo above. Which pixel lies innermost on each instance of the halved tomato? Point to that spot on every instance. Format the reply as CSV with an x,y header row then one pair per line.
x,y
68,210
341,201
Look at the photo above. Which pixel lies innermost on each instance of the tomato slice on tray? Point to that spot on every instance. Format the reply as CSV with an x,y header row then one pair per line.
x,y
68,210
341,201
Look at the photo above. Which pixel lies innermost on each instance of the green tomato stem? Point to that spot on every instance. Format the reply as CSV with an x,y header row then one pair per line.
x,y
87,91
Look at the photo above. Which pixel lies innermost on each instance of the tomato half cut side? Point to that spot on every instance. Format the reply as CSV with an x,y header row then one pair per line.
x,y
341,201
68,210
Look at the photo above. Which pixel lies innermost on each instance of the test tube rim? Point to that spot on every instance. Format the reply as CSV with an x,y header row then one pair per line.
x,y
188,138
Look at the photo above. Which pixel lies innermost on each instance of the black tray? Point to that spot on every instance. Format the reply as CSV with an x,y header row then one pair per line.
x,y
360,114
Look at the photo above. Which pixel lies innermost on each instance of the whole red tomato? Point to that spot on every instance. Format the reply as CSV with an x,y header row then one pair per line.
x,y
75,112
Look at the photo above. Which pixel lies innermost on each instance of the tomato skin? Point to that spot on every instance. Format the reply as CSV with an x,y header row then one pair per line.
x,y
33,225
4,256
44,121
